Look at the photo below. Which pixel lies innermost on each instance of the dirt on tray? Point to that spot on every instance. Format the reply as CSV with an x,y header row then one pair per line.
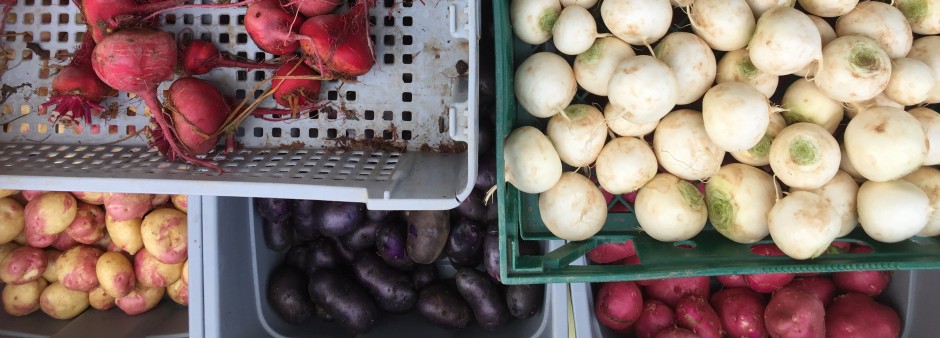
x,y
372,145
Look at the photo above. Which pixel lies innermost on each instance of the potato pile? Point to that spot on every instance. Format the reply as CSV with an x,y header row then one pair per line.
x,y
62,252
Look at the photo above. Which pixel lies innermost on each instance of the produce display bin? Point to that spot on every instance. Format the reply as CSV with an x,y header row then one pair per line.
x,y
911,293
240,264
707,254
403,136
167,319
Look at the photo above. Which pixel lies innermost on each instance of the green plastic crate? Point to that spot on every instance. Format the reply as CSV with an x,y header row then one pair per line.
x,y
707,254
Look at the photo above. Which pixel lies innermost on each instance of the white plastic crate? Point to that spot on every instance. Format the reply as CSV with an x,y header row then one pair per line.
x,y
419,102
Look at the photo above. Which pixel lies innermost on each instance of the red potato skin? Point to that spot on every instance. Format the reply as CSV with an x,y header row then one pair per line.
x,y
88,226
656,316
340,41
147,269
82,275
871,283
618,305
732,281
670,290
294,93
676,332
35,238
695,314
38,210
23,265
741,311
125,206
141,300
794,312
198,110
611,252
64,242
159,239
180,202
271,27
768,282
823,288
28,195
857,315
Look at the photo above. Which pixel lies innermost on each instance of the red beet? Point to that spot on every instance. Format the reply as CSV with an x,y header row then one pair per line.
x,y
198,110
339,43
311,8
297,92
272,28
201,57
76,89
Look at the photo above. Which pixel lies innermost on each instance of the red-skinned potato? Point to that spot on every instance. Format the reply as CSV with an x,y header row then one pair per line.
x,y
88,226
24,264
51,212
7,192
122,207
29,195
179,292
141,300
164,232
99,300
12,219
64,242
6,249
75,268
23,299
152,272
35,238
855,315
93,198
49,275
180,202
59,302
115,274
125,234
159,200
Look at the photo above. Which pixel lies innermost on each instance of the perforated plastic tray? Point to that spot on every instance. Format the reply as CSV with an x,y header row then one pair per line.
x,y
400,137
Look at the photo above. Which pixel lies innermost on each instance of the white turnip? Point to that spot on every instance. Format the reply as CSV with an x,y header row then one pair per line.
x,y
582,3
574,209
579,135
683,147
637,22
545,84
880,22
759,154
736,66
928,180
532,20
692,62
927,49
804,102
758,7
593,68
880,100
785,41
854,68
532,163
736,115
826,34
622,127
929,121
670,209
803,224
923,15
739,197
911,81
643,89
805,156
725,25
841,192
625,164
892,211
828,8
574,31
885,143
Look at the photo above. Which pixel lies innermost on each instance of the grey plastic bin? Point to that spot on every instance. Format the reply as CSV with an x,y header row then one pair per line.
x,y
239,265
168,319
912,293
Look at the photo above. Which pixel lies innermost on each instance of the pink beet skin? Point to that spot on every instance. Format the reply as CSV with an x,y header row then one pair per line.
x,y
857,315
768,282
656,316
695,314
618,305
670,290
741,311
794,312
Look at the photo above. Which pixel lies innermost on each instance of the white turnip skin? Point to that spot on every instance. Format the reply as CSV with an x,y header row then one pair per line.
x,y
929,121
828,8
803,224
826,34
725,25
854,68
739,197
532,163
625,164
532,20
804,102
683,147
736,115
880,100
785,41
794,312
593,68
885,143
574,209
741,311
841,192
923,15
927,49
669,209
643,89
637,22
582,3
911,81
545,84
928,180
692,62
575,30
854,313
880,22
758,7
736,66
759,154
805,156
579,137
622,127
892,211
681,3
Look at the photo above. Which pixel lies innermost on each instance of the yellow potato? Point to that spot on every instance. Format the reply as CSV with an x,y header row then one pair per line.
x,y
159,200
51,212
164,232
100,300
141,300
180,202
6,249
51,257
115,274
12,219
59,302
23,299
184,274
179,292
21,238
7,192
95,198
88,226
125,234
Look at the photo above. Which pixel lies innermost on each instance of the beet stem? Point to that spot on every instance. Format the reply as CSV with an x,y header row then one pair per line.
x,y
235,4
